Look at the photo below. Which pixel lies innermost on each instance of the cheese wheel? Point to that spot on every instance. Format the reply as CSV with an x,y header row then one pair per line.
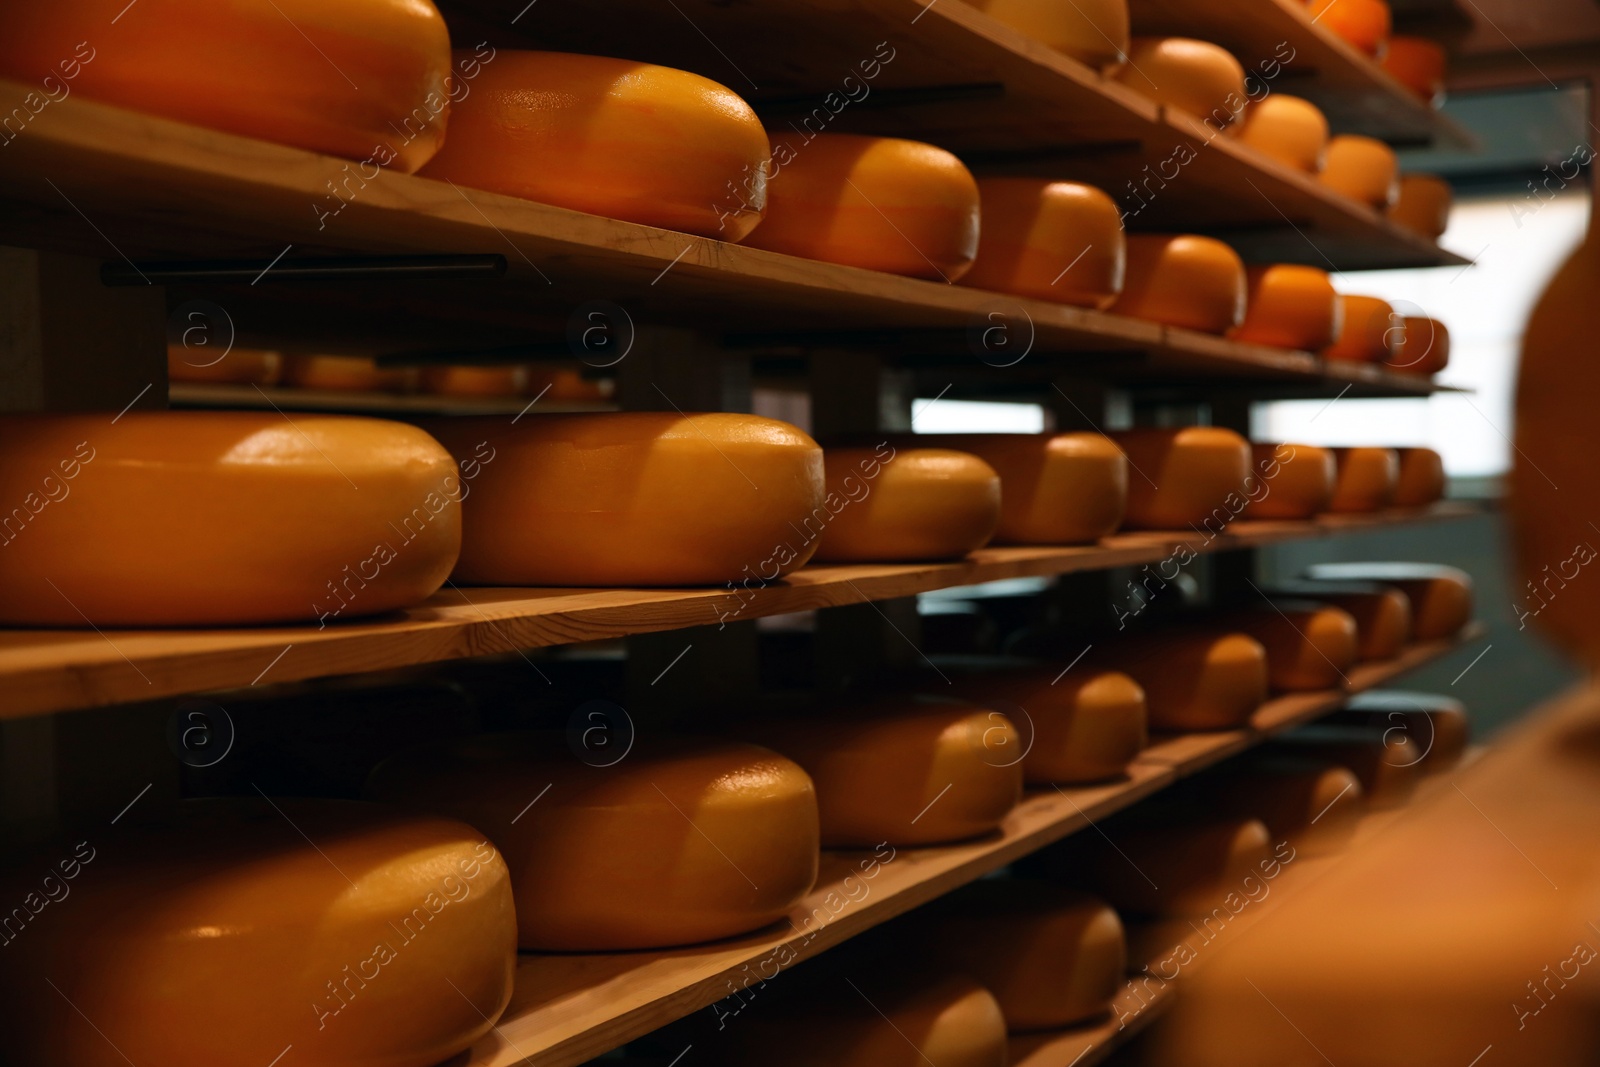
x,y
1372,332
1288,129
1383,619
1366,481
1441,597
1051,956
1086,725
1387,762
1194,282
1290,307
719,838
1423,205
1182,867
1418,64
1309,646
1364,24
1193,679
904,1020
906,504
636,142
1315,803
1424,346
1058,241
220,518
1290,481
1055,489
504,380
220,910
1091,31
1362,168
238,366
635,498
365,80
906,771
567,383
1421,480
882,203
346,374
1185,477
1438,724
1198,77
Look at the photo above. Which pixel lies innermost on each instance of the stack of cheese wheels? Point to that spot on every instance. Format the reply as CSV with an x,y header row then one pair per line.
x,y
1194,282
235,366
1388,762
635,498
1362,168
1366,480
494,381
899,1020
1184,478
1418,64
1290,481
1424,346
219,910
719,838
1439,724
1082,726
1198,77
879,769
1441,597
1421,480
1288,129
886,204
1382,615
1312,803
182,59
1193,679
1289,306
1423,205
1179,867
636,142
1050,240
1370,333
1051,956
1055,489
1094,32
888,504
1309,645
346,374
195,519
1365,24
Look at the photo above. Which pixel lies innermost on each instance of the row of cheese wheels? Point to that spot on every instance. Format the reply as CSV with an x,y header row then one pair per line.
x,y
302,923
362,374
223,518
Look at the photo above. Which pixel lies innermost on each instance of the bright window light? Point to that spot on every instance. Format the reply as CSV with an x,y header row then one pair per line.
x,y
975,416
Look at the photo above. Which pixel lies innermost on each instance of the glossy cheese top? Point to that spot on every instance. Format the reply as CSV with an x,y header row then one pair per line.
x,y
1309,646
1290,306
1423,205
1417,63
1290,481
890,504
720,838
1366,480
1365,24
1383,619
1288,129
1424,346
1195,476
1193,679
1050,240
1194,282
1094,32
1421,480
1199,77
1362,168
1372,331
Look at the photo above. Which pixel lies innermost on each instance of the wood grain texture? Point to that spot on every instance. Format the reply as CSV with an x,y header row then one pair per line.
x,y
58,670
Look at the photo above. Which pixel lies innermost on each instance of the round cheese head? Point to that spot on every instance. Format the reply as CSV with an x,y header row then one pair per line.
x,y
1388,762
635,498
882,203
1079,725
1091,31
1362,168
346,374
1198,77
891,504
1290,481
495,381
236,366
1418,64
1194,282
1441,597
636,142
1424,346
1421,480
220,518
719,838
1383,619
1309,646
1050,240
1364,24
1193,477
362,80
1193,679
1288,129
1312,803
1423,205
1371,332
1290,307
1366,480
325,926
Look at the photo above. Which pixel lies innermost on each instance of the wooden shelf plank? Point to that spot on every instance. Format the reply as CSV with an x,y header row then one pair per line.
x,y
570,1008
270,398
57,670
1135,1008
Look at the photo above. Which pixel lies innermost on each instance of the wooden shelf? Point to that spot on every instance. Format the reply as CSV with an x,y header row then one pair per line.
x,y
1084,1046
570,1008
1357,94
58,670
197,395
